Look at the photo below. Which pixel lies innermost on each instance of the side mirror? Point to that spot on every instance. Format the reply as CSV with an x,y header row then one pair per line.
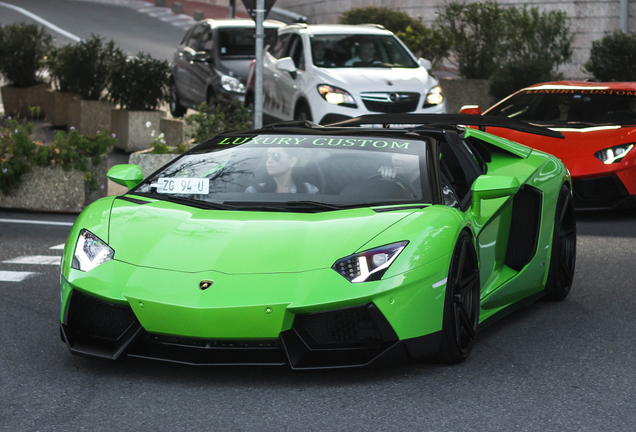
x,y
490,187
286,64
426,64
202,56
470,109
126,175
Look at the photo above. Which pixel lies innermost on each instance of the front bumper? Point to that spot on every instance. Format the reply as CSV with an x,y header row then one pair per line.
x,y
347,337
602,193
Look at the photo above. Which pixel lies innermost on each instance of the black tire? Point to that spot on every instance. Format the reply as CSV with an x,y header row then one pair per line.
x,y
303,113
563,256
461,308
176,109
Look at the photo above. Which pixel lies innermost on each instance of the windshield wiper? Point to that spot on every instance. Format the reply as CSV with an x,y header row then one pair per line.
x,y
314,204
207,205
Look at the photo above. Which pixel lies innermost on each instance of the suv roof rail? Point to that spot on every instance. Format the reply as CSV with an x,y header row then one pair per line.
x,y
379,26
451,120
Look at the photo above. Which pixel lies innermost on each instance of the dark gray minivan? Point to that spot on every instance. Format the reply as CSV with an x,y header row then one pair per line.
x,y
212,62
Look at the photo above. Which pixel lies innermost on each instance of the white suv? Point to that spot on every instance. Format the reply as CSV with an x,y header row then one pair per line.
x,y
330,73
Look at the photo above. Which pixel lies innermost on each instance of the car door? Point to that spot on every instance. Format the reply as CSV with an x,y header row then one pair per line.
x,y
289,83
272,101
186,60
201,67
458,170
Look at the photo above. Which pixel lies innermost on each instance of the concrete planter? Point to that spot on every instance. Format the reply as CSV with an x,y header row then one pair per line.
x,y
89,116
53,189
173,131
17,101
56,106
460,92
148,162
131,130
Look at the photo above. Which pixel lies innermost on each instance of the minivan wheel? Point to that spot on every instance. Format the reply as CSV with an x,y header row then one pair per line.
x,y
176,109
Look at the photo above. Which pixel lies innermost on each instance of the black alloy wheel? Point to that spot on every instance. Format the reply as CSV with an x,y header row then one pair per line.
x,y
563,256
176,109
461,309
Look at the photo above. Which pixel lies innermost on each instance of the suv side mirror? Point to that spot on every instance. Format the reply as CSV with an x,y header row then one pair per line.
x,y
202,56
128,175
426,64
470,109
490,187
286,64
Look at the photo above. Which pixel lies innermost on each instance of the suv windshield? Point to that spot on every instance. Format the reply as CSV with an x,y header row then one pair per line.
x,y
571,107
359,51
278,172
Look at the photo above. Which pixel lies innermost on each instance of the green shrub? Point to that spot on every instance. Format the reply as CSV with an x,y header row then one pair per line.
x,y
533,46
613,58
428,43
140,83
85,67
474,32
392,20
208,122
22,51
18,153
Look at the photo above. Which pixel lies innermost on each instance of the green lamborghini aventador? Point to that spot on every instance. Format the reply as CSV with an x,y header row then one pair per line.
x,y
318,247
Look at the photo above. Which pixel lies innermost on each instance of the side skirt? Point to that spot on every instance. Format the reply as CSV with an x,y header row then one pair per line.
x,y
509,309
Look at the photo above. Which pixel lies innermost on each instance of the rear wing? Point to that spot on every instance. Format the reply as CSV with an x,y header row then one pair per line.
x,y
449,120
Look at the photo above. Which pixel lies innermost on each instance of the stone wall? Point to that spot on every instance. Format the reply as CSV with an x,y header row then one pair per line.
x,y
590,19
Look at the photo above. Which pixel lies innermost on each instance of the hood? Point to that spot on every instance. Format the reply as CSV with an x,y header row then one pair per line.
x,y
237,68
176,237
358,80
577,149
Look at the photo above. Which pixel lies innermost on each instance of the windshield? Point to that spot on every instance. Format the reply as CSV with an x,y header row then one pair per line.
x,y
571,107
280,172
331,51
239,42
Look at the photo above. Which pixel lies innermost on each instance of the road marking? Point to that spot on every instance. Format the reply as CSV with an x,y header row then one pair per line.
x,y
58,247
42,21
37,222
15,276
35,259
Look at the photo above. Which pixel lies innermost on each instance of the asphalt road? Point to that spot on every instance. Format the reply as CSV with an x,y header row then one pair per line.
x,y
115,20
566,366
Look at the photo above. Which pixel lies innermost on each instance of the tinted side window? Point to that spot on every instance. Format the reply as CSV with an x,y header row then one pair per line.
x,y
194,37
278,50
453,173
296,52
207,41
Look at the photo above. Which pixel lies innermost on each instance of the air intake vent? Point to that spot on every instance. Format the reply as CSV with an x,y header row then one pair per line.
x,y
93,317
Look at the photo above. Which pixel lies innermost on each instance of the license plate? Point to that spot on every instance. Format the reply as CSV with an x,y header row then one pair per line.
x,y
183,185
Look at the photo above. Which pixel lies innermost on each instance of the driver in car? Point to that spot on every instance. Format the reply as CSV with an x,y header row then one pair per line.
x,y
366,54
280,165
404,167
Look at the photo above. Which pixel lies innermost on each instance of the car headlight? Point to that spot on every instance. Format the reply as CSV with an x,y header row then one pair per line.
x,y
613,154
90,251
232,84
369,265
435,96
337,96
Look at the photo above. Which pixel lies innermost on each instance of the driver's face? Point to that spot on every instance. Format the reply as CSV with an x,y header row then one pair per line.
x,y
367,51
318,51
405,164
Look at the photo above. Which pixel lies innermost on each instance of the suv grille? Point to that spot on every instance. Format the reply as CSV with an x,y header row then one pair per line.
x,y
390,102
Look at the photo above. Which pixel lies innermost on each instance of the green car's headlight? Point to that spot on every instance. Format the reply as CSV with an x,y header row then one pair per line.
x,y
369,265
613,154
90,251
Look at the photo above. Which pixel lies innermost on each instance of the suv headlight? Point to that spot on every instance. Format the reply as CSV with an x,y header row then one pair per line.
x,y
613,154
337,96
435,96
369,265
232,84
90,251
